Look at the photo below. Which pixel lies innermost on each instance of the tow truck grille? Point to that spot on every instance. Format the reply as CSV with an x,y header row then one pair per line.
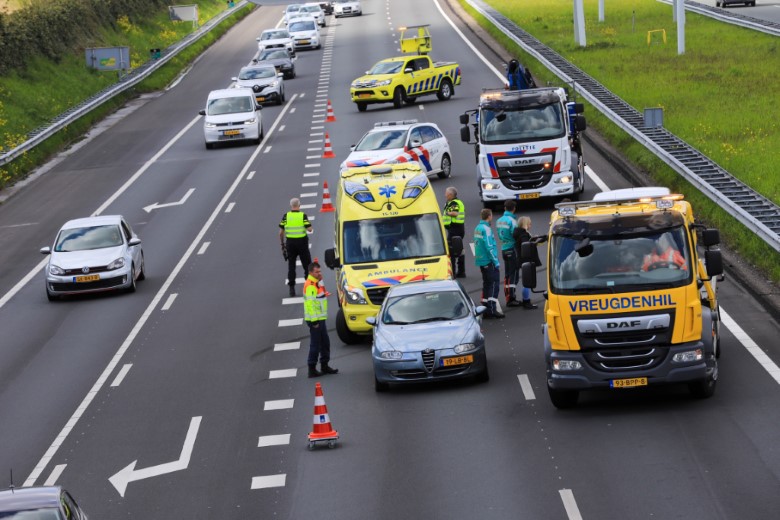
x,y
621,360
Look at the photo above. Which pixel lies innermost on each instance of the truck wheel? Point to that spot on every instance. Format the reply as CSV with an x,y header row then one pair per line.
x,y
563,399
445,90
704,388
345,335
362,106
446,167
398,97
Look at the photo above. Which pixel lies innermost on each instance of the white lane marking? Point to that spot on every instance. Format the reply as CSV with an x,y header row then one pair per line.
x,y
572,511
204,247
321,90
292,301
169,301
55,474
55,445
318,110
230,207
317,120
310,157
323,95
596,179
291,322
312,141
309,184
121,375
29,223
179,202
317,149
267,149
292,110
297,280
281,404
320,105
269,481
318,127
251,175
312,174
293,345
421,107
308,206
525,385
307,195
303,94
471,245
282,374
311,218
273,440
750,345
281,128
315,134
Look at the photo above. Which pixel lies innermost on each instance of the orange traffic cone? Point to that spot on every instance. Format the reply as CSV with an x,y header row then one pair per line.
x,y
331,116
328,153
327,207
321,430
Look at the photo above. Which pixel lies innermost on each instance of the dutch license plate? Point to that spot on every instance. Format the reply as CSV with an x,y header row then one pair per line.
x,y
88,278
628,383
460,360
231,132
303,42
364,95
528,196
260,99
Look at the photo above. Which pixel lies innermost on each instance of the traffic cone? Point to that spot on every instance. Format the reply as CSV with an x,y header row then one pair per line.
x,y
327,207
321,428
328,153
331,116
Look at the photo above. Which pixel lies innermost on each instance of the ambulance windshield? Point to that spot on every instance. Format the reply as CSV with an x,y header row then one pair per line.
x,y
396,238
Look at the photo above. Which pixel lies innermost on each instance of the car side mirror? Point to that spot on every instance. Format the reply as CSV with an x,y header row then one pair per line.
x,y
465,134
529,275
134,241
710,237
330,258
714,261
258,106
46,250
202,112
280,75
234,79
414,143
371,320
480,310
408,70
579,108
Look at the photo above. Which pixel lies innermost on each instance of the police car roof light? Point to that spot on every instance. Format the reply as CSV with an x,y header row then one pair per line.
x,y
395,123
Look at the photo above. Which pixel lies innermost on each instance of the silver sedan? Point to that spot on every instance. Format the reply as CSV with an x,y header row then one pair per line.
x,y
426,331
94,254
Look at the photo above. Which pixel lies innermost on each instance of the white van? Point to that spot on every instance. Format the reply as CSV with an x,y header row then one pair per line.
x,y
232,114
304,32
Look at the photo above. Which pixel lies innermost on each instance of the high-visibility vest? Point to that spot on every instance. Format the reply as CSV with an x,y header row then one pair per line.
x,y
315,302
294,224
454,205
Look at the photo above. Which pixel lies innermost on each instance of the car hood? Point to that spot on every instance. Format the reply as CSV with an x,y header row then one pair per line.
x,y
373,79
277,62
249,83
91,258
277,41
230,118
304,34
417,337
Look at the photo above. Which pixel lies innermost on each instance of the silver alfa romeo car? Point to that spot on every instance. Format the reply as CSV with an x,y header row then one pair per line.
x,y
426,331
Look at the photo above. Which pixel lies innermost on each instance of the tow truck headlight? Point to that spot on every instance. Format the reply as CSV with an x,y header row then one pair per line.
x,y
566,179
688,357
56,270
489,186
391,354
384,83
566,364
464,347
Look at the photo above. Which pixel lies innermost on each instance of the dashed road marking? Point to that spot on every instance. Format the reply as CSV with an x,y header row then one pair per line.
x,y
267,149
308,195
312,141
312,165
294,322
203,247
312,174
308,206
230,207
251,175
292,110
297,280
309,184
281,128
525,385
121,375
55,474
169,301
273,440
315,134
310,157
471,245
292,301
269,481
283,374
293,345
281,404
570,504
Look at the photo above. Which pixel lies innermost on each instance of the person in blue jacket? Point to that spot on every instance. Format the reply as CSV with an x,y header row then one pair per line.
x,y
505,227
517,76
486,253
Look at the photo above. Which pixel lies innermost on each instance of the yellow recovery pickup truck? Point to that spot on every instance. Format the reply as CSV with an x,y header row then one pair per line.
x,y
403,79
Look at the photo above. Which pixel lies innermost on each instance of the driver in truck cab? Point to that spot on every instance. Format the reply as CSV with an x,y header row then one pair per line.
x,y
664,254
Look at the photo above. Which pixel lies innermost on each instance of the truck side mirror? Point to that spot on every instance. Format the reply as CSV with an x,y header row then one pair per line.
x,y
579,108
529,275
714,261
579,123
330,259
527,251
710,237
464,119
465,134
456,246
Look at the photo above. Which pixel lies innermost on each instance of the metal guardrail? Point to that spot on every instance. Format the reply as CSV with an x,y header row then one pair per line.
x,y
746,205
135,76
734,18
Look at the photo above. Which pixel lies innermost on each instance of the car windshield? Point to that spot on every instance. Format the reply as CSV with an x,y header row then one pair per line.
x,y
395,238
529,124
273,55
302,26
31,514
294,8
312,9
382,140
265,72
274,35
612,263
425,307
232,105
86,238
387,67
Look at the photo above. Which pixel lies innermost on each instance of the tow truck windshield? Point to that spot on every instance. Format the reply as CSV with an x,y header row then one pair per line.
x,y
535,123
396,238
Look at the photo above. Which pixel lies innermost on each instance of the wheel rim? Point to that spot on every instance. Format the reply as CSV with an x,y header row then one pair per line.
x,y
446,166
445,90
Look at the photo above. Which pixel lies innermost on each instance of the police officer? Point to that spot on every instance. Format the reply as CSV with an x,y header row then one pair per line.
x,y
505,227
315,311
454,217
486,254
295,228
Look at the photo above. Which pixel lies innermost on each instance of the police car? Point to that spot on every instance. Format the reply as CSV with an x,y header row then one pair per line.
x,y
394,142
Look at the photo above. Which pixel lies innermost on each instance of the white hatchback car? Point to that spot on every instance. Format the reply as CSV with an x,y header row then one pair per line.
x,y
232,114
346,8
275,39
305,33
315,11
394,142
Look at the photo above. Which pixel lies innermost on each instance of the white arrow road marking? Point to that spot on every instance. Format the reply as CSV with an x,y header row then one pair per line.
x,y
130,474
149,208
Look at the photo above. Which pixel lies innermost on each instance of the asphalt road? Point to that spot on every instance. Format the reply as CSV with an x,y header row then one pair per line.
x,y
214,407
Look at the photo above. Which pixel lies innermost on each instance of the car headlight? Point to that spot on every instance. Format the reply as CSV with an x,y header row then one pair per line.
x,y
116,264
210,125
250,121
391,354
465,347
275,84
56,270
384,83
566,364
688,357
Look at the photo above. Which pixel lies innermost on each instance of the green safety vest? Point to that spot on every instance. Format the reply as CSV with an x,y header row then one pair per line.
x,y
294,224
315,303
454,205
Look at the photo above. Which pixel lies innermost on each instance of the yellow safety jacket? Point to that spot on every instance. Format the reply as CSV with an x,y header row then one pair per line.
x,y
294,224
454,205
315,302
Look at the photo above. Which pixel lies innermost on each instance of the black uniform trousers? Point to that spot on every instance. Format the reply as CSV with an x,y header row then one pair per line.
x,y
459,262
319,346
297,248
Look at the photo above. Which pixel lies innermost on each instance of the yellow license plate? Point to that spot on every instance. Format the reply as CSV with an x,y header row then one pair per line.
x,y
88,278
260,99
364,95
460,360
628,383
231,132
529,196
303,42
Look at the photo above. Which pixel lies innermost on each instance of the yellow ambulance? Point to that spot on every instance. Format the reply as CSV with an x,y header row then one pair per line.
x,y
388,231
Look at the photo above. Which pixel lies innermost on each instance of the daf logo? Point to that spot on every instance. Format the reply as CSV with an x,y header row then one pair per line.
x,y
85,269
521,162
623,324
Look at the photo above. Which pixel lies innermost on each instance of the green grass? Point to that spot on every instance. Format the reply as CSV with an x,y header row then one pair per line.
x,y
720,96
31,98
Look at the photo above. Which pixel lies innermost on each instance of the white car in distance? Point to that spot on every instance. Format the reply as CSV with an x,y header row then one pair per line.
x,y
347,8
275,39
305,33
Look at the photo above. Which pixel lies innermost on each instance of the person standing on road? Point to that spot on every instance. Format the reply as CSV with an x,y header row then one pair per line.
x,y
522,234
315,312
454,217
486,253
295,228
505,227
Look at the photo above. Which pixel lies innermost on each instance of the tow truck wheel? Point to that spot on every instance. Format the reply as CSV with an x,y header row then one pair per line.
x,y
345,335
362,106
445,90
398,97
563,399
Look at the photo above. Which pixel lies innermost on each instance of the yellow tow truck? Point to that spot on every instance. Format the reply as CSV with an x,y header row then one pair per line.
x,y
403,79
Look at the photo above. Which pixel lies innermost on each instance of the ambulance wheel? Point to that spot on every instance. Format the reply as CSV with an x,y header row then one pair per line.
x,y
563,399
345,335
362,106
410,100
445,90
398,97
446,167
